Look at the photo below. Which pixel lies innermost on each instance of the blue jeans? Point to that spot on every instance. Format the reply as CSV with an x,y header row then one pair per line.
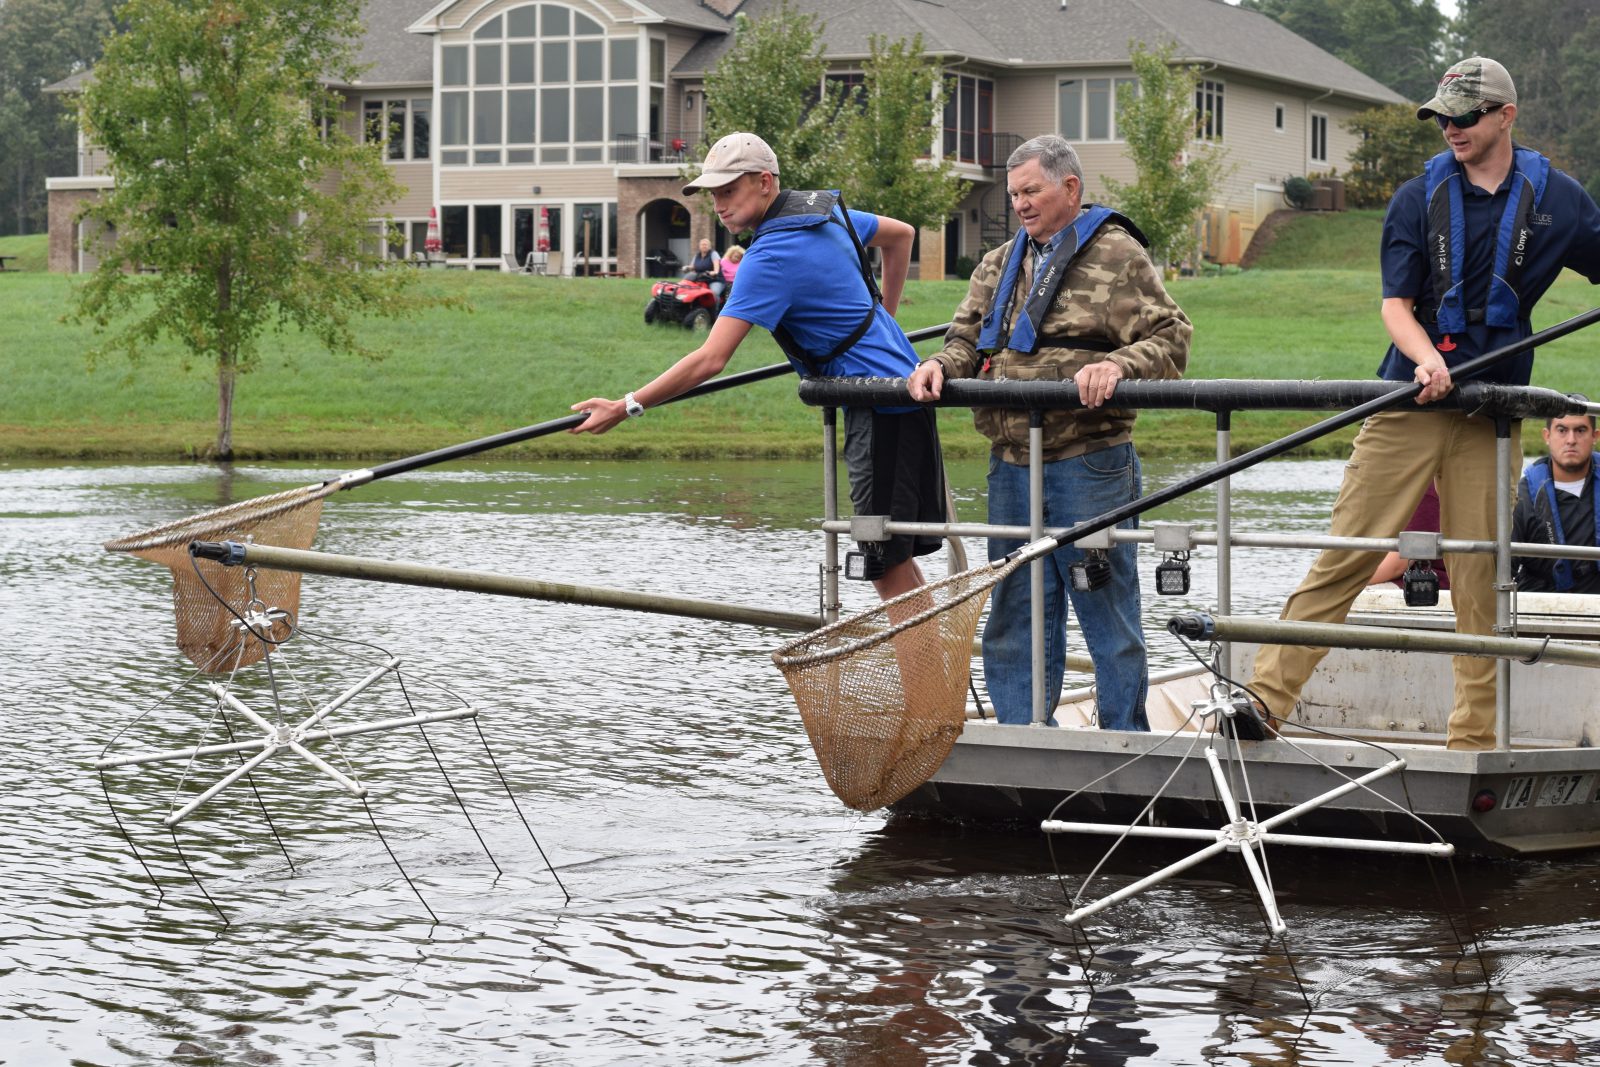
x,y
1075,489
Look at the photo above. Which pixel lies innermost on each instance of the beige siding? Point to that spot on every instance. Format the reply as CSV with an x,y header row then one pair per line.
x,y
1255,151
1029,105
467,185
1341,142
677,117
417,179
1025,104
1258,154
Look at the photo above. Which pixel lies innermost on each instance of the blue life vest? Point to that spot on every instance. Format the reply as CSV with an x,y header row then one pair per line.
x,y
794,209
1447,242
1541,481
1047,278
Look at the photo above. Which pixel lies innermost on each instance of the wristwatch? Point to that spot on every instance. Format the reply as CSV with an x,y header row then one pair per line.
x,y
632,406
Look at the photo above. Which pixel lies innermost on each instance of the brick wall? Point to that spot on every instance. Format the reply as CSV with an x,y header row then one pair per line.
x,y
633,194
64,207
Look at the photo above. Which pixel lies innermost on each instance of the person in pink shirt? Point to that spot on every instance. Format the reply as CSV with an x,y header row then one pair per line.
x,y
730,266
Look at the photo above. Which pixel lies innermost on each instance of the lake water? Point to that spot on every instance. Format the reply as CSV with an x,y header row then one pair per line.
x,y
724,907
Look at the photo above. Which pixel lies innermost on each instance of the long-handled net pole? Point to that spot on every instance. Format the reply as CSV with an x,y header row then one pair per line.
x,y
1056,539
202,591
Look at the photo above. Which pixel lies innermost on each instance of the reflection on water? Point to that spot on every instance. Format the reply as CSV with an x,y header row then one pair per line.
x,y
725,907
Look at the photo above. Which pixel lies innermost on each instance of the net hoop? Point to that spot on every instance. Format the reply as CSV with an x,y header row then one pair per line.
x,y
859,632
883,694
208,598
209,525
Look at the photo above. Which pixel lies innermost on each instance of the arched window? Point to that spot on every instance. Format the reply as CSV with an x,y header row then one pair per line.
x,y
539,84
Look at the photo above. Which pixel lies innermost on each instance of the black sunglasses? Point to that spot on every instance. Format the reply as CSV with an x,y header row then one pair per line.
x,y
1464,122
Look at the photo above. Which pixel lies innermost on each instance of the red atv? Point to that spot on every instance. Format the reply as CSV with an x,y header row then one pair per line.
x,y
689,302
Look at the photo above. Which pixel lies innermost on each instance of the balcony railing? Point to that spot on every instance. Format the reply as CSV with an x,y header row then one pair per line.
x,y
655,148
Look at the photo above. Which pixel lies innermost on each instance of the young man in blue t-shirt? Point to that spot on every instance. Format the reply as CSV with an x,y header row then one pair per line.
x,y
804,279
1468,249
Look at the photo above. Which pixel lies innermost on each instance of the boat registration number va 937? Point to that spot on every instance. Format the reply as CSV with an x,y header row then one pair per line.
x,y
1550,791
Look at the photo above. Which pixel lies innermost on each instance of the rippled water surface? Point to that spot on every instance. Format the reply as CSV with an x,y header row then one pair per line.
x,y
724,907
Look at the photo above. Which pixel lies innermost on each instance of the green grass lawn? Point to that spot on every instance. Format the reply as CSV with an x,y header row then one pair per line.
x,y
532,346
1346,240
32,251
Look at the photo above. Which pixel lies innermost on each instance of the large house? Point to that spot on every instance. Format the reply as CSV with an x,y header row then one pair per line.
x,y
559,130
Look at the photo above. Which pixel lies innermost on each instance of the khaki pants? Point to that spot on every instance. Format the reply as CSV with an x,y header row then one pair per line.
x,y
1396,454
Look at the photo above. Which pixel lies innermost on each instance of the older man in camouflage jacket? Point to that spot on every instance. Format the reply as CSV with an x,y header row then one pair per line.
x,y
1075,298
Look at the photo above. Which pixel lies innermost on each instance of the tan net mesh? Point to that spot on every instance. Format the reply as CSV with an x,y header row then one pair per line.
x,y
206,630
883,694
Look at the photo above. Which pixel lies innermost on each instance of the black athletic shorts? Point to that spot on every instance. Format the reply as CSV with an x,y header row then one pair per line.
x,y
896,470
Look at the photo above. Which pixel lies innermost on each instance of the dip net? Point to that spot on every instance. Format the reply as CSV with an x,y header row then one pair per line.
x,y
883,694
206,595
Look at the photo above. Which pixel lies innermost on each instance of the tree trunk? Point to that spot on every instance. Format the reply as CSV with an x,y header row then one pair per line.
x,y
227,364
227,374
22,198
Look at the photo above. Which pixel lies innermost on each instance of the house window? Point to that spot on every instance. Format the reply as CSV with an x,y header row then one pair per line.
x,y
403,238
1277,117
402,126
594,238
855,87
1319,138
969,119
1208,111
1088,107
541,83
453,230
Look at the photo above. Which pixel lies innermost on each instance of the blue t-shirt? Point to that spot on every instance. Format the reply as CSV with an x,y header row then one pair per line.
x,y
1565,233
807,280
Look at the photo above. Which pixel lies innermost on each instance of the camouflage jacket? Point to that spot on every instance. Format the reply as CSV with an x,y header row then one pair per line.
x,y
1112,291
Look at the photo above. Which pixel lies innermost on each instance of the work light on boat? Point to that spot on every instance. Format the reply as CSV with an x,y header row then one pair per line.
x,y
1421,584
1091,572
1172,575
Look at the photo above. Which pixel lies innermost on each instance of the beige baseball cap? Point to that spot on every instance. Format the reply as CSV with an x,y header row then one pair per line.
x,y
735,154
1469,85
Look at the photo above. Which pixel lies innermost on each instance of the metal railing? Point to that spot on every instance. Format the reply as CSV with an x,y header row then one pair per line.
x,y
663,148
1505,404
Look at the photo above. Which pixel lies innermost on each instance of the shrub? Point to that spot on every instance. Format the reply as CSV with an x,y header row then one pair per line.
x,y
1297,193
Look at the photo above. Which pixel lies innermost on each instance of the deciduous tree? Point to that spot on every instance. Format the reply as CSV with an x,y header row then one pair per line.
x,y
41,43
1552,50
1398,43
887,140
1176,176
770,83
1393,148
234,184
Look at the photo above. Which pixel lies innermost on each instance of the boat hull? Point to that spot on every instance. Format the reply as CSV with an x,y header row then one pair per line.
x,y
1544,800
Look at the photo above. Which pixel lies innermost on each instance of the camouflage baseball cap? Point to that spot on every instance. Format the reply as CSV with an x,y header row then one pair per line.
x,y
1469,85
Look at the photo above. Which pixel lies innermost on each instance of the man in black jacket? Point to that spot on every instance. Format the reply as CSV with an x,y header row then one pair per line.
x,y
1556,505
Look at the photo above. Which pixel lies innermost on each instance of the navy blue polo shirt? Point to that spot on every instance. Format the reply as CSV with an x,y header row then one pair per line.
x,y
1566,233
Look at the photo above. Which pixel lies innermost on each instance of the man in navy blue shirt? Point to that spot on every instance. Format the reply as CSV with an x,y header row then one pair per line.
x,y
1557,504
1468,248
804,278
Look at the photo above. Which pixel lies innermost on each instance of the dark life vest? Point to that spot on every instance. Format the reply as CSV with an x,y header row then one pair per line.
x,y
799,210
1047,277
1446,239
1541,481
